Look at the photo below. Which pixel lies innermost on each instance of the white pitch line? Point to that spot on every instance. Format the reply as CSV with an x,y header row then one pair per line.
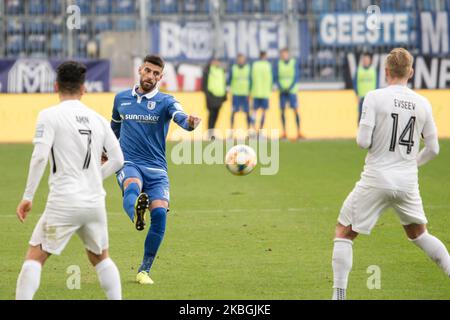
x,y
270,210
237,210
436,206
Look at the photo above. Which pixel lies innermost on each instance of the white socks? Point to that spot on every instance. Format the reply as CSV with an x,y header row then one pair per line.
x,y
342,264
30,277
435,249
343,259
109,277
28,280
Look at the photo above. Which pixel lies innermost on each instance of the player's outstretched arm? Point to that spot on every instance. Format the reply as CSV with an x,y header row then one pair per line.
x,y
193,121
38,163
187,122
430,151
177,114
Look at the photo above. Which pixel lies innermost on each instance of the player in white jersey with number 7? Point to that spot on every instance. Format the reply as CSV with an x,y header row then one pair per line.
x,y
73,137
393,121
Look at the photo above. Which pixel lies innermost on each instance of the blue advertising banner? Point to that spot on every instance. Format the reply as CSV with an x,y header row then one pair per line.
x,y
38,75
194,40
350,29
430,72
434,33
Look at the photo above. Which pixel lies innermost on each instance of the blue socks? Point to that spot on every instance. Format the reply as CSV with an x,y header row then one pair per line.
x,y
129,198
154,238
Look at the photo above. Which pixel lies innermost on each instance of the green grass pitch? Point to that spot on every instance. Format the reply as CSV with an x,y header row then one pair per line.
x,y
252,237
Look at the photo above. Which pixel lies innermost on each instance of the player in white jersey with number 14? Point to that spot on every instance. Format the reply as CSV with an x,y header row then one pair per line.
x,y
74,138
393,121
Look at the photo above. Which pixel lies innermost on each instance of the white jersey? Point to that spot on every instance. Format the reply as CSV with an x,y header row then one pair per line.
x,y
77,137
399,117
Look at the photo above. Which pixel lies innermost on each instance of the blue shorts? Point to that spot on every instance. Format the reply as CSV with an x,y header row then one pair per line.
x,y
288,97
155,182
240,103
260,103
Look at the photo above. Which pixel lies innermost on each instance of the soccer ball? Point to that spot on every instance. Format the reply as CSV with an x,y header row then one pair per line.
x,y
240,160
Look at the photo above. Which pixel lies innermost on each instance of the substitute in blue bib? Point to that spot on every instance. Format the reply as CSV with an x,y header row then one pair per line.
x,y
287,77
261,89
366,80
239,81
140,119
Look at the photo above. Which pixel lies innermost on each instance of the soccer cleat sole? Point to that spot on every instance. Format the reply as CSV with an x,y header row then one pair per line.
x,y
141,206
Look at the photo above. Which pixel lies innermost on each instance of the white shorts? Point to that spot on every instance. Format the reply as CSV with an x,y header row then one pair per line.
x,y
56,227
364,205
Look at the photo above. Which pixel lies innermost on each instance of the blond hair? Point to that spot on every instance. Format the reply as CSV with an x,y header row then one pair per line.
x,y
399,63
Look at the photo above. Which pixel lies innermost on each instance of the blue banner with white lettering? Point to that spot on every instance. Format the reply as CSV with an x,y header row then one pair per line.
x,y
434,34
430,72
38,75
375,29
194,40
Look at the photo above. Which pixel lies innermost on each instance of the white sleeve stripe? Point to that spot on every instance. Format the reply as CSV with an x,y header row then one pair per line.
x,y
173,114
116,121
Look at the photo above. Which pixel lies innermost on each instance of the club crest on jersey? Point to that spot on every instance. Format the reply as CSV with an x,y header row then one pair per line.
x,y
151,105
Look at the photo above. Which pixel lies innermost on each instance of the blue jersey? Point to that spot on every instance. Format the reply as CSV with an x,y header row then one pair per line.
x,y
141,123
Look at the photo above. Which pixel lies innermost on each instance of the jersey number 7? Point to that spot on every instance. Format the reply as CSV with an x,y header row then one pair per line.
x,y
409,130
87,159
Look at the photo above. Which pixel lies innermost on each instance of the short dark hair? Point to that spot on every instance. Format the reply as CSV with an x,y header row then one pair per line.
x,y
70,76
262,54
367,54
154,59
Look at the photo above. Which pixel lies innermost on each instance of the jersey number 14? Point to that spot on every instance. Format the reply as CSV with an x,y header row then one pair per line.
x,y
407,132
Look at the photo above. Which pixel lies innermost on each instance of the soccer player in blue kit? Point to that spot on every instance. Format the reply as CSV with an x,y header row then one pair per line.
x,y
140,119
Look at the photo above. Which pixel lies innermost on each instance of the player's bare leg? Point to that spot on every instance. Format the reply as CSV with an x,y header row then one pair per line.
x,y
30,275
251,116
108,274
135,202
433,247
158,212
342,259
262,121
297,122
233,115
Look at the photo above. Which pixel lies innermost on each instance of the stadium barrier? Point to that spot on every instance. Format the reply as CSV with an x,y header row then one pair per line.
x,y
324,114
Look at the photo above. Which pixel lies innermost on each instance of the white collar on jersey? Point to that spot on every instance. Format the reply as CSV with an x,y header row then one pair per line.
x,y
149,95
71,102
